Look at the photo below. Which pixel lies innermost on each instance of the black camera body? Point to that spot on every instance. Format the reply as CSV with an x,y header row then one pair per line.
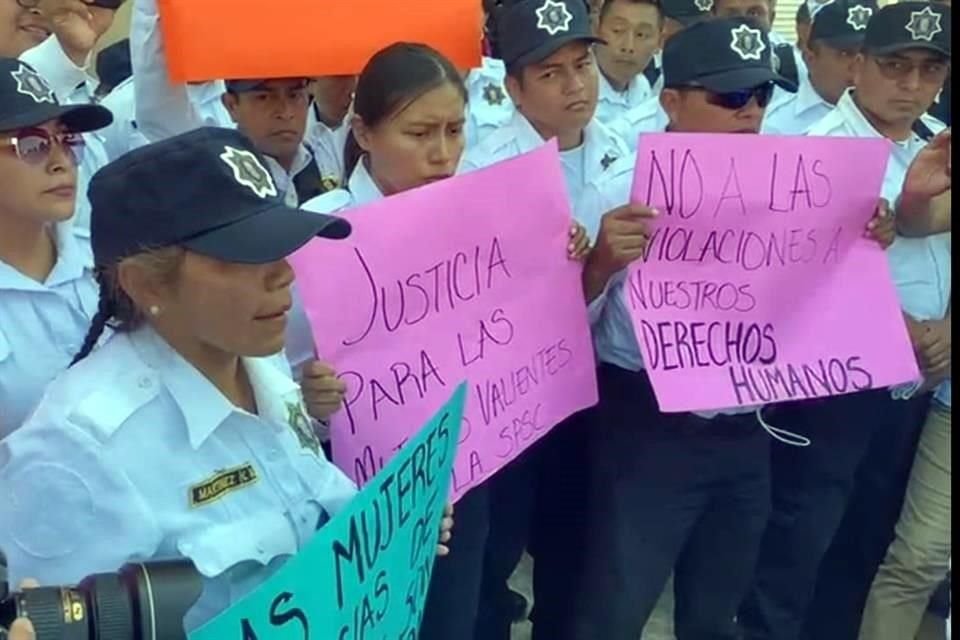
x,y
139,602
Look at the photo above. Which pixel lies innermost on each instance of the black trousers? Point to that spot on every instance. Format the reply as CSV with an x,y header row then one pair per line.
x,y
812,489
558,539
669,492
453,599
469,597
867,528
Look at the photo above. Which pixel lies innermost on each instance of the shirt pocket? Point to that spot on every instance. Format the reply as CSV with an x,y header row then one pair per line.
x,y
215,548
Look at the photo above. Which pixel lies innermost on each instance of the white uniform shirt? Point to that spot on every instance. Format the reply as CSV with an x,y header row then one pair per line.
x,y
489,107
72,85
123,135
165,109
613,104
647,117
791,114
920,266
601,149
327,146
126,447
42,325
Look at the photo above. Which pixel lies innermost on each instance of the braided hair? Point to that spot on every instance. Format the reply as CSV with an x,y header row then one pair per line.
x,y
116,308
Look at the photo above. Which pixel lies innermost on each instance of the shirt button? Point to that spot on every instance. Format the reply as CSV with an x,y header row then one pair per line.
x,y
145,382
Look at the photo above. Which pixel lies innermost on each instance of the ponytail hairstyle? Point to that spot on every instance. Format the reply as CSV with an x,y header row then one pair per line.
x,y
117,309
392,79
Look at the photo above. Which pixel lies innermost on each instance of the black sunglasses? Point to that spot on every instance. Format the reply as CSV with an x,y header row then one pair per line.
x,y
735,100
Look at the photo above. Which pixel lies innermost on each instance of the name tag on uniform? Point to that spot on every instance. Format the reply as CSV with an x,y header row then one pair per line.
x,y
223,483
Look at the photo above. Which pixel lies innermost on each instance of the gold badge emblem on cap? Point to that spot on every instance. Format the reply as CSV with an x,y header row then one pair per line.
x,y
553,17
30,84
925,24
858,16
248,171
747,42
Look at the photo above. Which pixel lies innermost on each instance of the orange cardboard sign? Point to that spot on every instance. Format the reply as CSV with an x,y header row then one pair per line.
x,y
231,39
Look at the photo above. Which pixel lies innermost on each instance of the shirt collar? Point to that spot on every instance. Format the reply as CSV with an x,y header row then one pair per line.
x,y
74,261
635,91
280,175
361,185
203,407
862,127
808,98
597,143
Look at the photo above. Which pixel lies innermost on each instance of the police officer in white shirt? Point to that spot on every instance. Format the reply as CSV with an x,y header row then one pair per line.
x,y
632,30
192,265
47,291
684,493
552,79
407,131
328,123
831,47
903,65
918,559
272,112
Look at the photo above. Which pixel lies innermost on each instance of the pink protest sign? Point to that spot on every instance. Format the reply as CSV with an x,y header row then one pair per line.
x,y
758,284
467,278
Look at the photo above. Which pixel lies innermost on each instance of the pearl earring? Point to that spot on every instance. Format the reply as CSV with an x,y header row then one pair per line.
x,y
154,310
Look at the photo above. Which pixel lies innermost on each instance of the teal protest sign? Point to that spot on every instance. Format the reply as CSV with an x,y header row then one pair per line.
x,y
365,574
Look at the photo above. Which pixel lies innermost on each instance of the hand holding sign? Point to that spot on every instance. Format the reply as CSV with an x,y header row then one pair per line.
x,y
623,237
490,294
758,285
929,173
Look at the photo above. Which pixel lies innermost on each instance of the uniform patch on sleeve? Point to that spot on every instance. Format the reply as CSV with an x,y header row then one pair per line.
x,y
222,484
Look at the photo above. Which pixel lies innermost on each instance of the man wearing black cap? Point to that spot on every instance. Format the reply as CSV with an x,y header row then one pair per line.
x,y
271,112
835,38
903,64
683,493
546,46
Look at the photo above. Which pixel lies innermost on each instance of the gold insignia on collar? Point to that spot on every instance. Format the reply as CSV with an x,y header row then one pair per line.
x,y
302,427
221,484
493,95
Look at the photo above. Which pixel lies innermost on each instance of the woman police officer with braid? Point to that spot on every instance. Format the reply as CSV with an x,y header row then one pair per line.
x,y
132,443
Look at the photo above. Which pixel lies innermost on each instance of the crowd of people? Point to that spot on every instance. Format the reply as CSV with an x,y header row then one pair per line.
x,y
151,335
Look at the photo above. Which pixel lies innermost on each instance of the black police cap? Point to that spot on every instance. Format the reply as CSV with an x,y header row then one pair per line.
x,y
842,23
208,191
686,12
26,100
909,25
530,31
256,84
721,55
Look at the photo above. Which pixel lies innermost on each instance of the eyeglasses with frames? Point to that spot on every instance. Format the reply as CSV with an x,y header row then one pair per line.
x,y
34,146
900,68
736,100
